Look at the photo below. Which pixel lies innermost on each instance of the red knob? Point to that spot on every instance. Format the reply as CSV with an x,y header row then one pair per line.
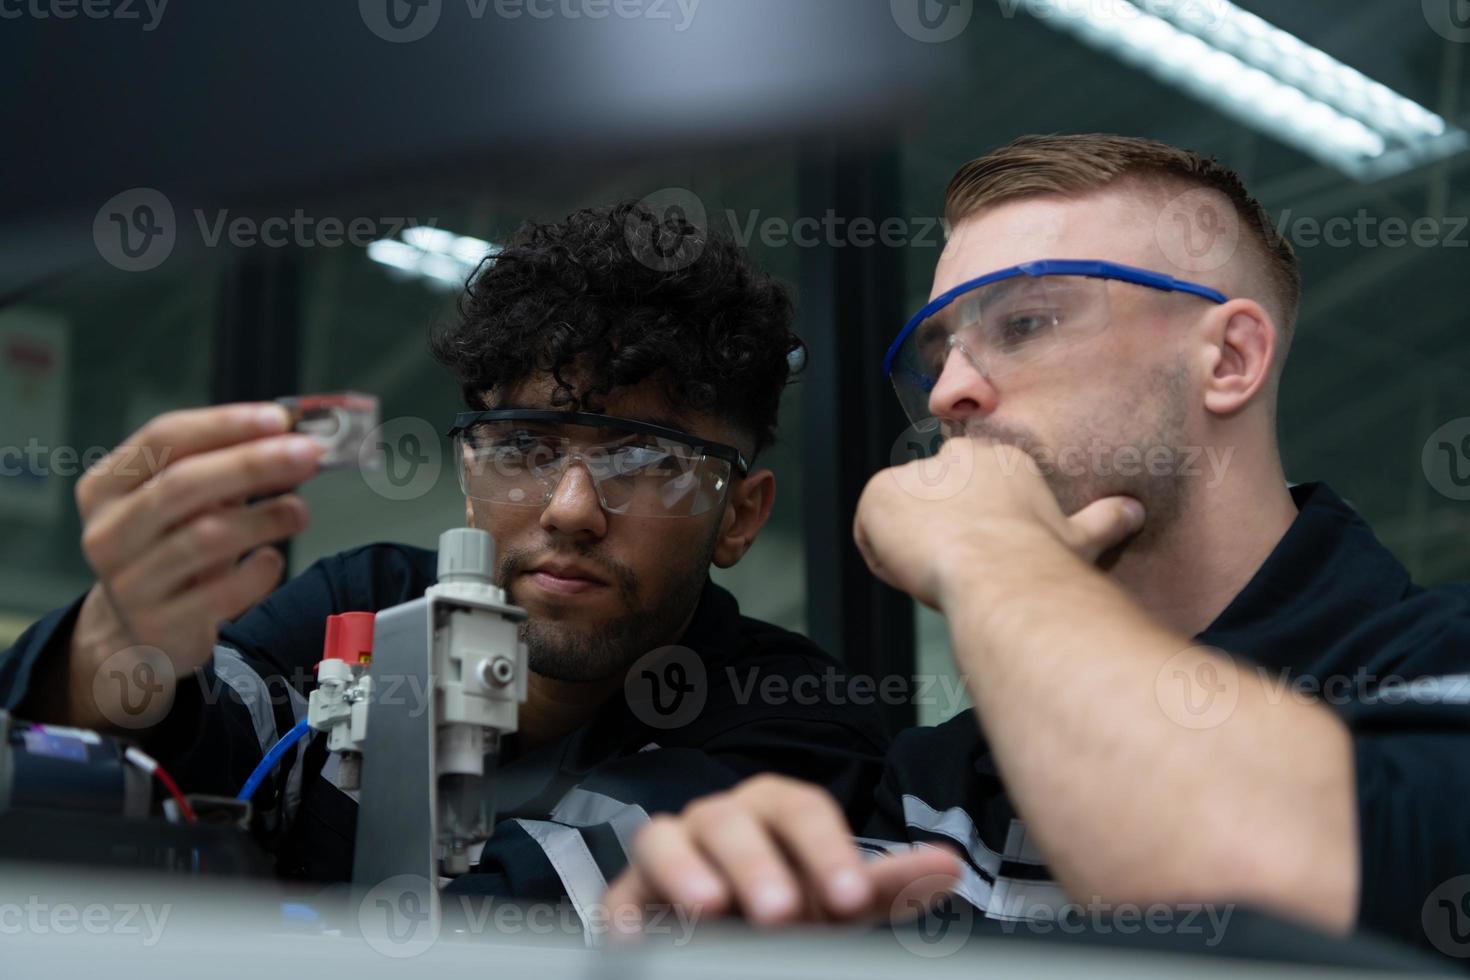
x,y
349,638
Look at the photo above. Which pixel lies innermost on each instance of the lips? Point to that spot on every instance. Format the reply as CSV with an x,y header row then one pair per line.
x,y
565,578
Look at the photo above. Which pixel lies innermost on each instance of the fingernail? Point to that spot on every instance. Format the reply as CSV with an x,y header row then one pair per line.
x,y
1135,512
302,449
701,889
772,900
271,418
848,889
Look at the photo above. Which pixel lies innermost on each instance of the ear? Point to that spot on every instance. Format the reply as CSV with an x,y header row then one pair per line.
x,y
749,508
1240,344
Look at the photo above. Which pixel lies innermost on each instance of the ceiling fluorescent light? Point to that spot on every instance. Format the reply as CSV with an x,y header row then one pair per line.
x,y
1264,77
440,258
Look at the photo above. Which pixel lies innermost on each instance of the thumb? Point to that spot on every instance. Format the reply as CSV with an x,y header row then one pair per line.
x,y
1105,524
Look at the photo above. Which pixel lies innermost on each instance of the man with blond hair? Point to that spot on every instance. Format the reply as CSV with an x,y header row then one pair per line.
x,y
1192,683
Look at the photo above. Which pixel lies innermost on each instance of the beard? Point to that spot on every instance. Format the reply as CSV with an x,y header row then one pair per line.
x,y
1153,420
564,650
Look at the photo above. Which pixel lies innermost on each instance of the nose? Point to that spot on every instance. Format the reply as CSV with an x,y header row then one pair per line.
x,y
575,509
962,390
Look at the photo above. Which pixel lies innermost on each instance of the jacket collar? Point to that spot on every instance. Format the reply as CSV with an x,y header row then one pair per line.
x,y
1326,572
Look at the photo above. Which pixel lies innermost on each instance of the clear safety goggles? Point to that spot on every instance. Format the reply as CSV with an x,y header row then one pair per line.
x,y
1007,319
519,456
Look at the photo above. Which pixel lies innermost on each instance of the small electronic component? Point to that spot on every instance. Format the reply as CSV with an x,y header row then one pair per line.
x,y
48,767
343,423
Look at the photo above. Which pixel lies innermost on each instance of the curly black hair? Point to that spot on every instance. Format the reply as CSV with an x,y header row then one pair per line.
x,y
615,296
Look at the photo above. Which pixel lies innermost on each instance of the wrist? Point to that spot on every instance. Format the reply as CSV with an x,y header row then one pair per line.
x,y
969,576
95,637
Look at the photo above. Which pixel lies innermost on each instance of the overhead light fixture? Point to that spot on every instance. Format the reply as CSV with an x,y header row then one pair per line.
x,y
440,258
1265,77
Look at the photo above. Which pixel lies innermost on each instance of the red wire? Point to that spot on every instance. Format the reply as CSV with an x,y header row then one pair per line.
x,y
173,788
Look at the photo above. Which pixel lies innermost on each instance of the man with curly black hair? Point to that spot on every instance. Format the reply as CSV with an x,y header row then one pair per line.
x,y
622,372
612,312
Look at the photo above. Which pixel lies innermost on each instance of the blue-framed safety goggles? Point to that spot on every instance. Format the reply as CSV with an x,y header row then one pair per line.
x,y
1009,318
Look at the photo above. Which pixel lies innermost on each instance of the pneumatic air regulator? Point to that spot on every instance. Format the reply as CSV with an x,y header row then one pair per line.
x,y
446,676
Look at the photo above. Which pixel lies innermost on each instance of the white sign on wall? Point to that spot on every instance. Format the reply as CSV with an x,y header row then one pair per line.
x,y
36,464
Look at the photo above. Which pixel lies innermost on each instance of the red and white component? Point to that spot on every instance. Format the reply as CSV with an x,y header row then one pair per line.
x,y
343,424
339,705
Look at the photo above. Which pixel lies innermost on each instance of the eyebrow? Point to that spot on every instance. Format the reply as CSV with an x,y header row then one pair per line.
x,y
1005,287
666,421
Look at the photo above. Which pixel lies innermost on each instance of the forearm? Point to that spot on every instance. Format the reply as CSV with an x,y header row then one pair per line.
x,y
1126,800
85,671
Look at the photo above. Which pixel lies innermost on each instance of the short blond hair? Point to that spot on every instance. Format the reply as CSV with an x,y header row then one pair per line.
x,y
1034,166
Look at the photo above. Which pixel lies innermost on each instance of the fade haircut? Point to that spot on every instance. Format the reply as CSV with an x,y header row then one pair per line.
x,y
1035,166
